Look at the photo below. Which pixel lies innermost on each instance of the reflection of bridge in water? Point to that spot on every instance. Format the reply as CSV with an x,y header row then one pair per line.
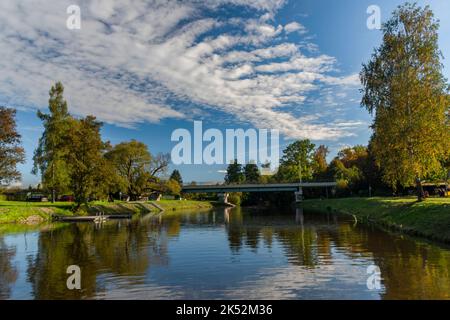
x,y
223,190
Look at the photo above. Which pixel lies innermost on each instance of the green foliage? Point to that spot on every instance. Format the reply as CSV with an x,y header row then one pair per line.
x,y
173,187
235,174
132,163
297,160
405,90
11,153
235,198
176,175
251,173
85,158
53,147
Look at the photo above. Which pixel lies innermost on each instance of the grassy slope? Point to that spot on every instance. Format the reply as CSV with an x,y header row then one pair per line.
x,y
19,212
430,218
183,204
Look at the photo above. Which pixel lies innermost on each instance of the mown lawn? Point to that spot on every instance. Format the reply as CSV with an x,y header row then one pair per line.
x,y
183,204
36,212
20,211
430,218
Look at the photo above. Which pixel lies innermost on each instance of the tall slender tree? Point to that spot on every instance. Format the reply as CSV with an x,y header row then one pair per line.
x,y
11,153
49,156
403,87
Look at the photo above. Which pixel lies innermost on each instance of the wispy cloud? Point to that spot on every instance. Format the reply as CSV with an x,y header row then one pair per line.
x,y
136,61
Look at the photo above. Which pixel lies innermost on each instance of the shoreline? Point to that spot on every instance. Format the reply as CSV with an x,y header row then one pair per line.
x,y
35,213
429,219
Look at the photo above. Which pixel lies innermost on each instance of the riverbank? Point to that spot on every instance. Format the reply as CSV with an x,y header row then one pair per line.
x,y
429,219
30,213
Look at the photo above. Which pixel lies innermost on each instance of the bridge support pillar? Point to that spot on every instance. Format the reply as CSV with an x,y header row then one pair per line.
x,y
299,195
223,197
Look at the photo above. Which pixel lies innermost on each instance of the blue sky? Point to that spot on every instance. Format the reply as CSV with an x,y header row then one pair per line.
x,y
146,68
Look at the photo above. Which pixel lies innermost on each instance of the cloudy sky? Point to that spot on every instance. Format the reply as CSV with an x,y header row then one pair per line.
x,y
146,68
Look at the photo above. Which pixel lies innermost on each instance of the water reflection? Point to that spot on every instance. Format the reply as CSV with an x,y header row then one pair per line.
x,y
8,273
228,253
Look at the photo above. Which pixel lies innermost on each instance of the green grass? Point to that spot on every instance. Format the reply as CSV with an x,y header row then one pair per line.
x,y
183,204
37,212
430,218
19,212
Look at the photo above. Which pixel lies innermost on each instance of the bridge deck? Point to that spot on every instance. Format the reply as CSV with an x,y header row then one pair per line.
x,y
255,187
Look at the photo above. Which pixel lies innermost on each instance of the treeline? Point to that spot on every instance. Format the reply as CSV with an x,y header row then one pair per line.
x,y
354,169
11,151
404,89
72,159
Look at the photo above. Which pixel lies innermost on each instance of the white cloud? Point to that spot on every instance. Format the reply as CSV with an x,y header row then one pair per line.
x,y
132,59
293,27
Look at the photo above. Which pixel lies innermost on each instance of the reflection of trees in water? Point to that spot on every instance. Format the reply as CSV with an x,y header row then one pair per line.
x,y
409,268
123,248
8,273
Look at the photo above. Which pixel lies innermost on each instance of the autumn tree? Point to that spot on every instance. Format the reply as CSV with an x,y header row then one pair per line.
x,y
85,158
11,153
320,164
172,187
403,87
53,145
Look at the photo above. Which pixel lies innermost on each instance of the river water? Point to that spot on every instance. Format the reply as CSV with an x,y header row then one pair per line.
x,y
222,254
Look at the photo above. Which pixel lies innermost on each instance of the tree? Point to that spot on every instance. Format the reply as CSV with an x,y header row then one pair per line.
x,y
348,167
251,173
53,145
296,162
403,87
132,161
177,177
11,153
159,164
172,187
88,166
234,173
320,164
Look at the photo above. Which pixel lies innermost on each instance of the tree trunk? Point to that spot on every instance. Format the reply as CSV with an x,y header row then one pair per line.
x,y
420,194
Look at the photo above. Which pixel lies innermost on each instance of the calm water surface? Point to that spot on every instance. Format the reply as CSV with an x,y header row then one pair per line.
x,y
221,254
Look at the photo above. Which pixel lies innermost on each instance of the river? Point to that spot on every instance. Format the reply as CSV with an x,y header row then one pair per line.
x,y
222,254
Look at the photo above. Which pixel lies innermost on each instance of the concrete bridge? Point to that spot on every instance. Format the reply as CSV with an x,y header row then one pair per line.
x,y
223,190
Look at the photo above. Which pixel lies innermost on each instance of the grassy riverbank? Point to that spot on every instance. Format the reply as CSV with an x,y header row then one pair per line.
x,y
172,205
430,218
38,212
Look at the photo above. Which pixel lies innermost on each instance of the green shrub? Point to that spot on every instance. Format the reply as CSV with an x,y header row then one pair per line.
x,y
235,198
